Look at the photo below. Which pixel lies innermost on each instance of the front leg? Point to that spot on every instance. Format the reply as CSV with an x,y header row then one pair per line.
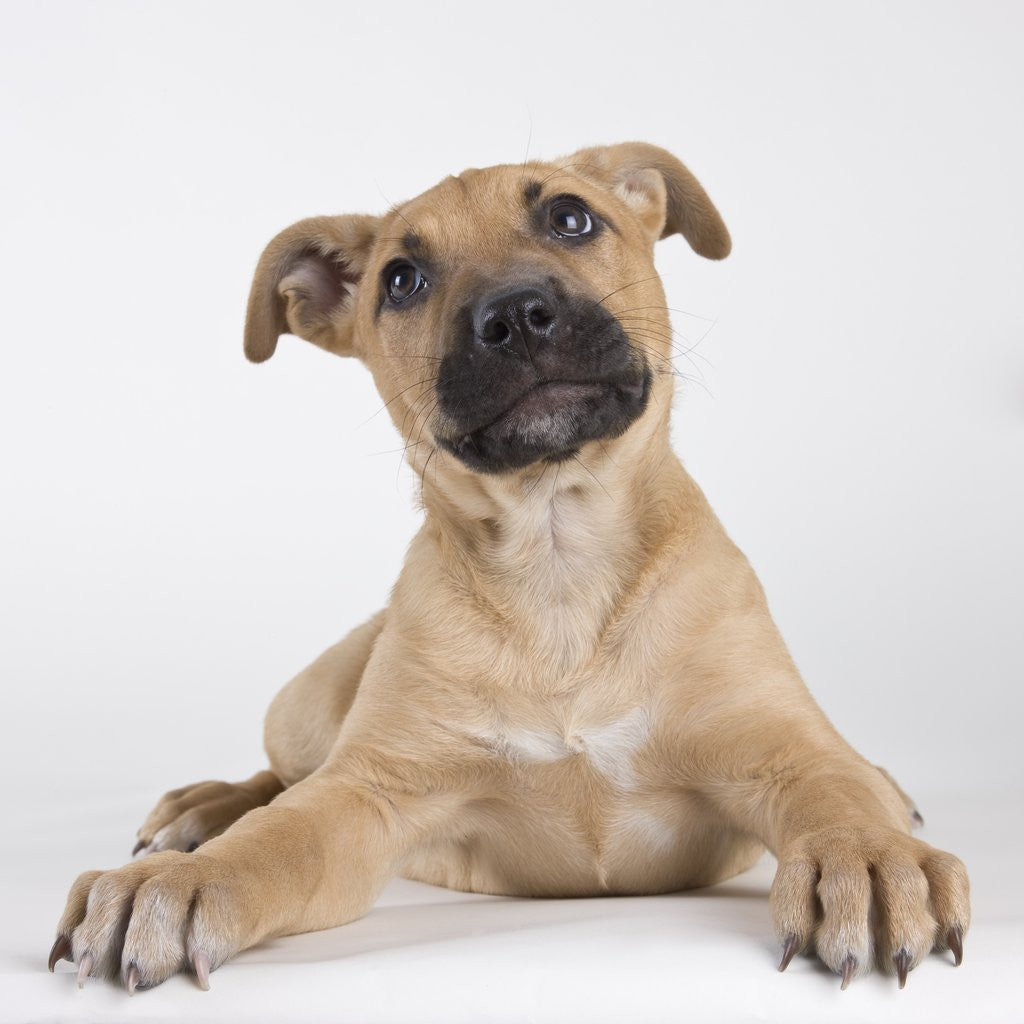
x,y
316,857
185,818
852,884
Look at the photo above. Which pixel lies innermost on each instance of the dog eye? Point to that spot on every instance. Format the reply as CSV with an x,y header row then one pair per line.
x,y
403,281
570,220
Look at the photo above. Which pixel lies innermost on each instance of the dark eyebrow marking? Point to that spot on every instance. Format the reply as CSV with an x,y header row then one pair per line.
x,y
531,190
412,241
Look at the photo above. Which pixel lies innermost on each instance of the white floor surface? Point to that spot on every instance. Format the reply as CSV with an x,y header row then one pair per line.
x,y
430,955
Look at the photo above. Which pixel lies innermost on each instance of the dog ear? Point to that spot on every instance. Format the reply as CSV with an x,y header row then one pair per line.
x,y
305,284
665,195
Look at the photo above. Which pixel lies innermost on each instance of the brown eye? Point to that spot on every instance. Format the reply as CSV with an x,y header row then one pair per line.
x,y
570,220
403,281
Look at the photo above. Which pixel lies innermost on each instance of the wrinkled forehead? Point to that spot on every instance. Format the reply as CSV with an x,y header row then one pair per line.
x,y
481,212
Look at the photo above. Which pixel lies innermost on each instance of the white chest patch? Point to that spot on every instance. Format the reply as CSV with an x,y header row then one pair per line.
x,y
609,748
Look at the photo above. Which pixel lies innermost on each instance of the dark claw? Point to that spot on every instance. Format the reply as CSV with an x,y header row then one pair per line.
x,y
915,817
61,951
849,967
955,941
789,950
902,962
193,846
140,845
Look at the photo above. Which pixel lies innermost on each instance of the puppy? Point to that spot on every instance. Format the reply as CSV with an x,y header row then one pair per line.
x,y
577,688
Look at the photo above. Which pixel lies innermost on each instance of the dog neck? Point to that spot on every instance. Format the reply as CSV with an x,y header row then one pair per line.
x,y
553,550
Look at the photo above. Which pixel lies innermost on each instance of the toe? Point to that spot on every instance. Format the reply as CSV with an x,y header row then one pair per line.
x,y
78,898
949,892
101,933
905,928
843,940
154,941
794,906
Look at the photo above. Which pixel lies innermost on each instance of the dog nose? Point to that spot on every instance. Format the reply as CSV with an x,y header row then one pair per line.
x,y
523,319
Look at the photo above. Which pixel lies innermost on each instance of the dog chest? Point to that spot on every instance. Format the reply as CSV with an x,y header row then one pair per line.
x,y
608,747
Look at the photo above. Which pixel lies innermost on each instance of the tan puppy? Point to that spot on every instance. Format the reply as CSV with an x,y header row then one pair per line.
x,y
577,688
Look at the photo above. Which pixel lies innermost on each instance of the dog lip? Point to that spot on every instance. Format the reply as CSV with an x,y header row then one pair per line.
x,y
550,420
553,391
541,394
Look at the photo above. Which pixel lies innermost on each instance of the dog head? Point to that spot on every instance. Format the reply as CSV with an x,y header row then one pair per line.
x,y
510,315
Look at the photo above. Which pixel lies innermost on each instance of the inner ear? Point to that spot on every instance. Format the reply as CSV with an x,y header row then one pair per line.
x,y
306,283
643,190
317,288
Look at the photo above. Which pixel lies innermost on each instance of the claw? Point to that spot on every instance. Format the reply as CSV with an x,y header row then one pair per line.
x,y
84,967
201,965
789,950
955,941
140,845
61,951
915,817
902,962
131,981
848,968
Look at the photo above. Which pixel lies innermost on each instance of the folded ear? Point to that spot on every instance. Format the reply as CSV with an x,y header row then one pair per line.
x,y
306,282
664,194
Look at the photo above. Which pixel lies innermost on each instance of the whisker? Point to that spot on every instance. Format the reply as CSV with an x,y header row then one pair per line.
x,y
563,169
423,398
607,454
713,321
671,309
427,380
677,353
654,327
633,284
435,359
529,494
667,369
395,451
576,458
691,346
393,207
424,420
529,139
652,333
423,475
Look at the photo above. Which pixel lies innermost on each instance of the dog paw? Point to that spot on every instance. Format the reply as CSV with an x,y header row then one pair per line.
x,y
150,919
857,896
185,818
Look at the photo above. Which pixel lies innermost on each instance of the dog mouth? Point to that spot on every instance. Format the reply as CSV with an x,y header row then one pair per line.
x,y
547,399
550,421
541,388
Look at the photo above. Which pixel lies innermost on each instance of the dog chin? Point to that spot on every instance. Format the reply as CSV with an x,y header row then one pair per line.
x,y
551,422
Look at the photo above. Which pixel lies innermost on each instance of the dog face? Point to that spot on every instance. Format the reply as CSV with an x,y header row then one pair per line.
x,y
510,315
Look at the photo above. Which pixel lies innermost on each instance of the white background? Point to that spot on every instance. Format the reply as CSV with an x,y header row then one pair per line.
x,y
182,531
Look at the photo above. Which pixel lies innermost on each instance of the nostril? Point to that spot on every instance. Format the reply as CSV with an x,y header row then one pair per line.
x,y
539,317
519,320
